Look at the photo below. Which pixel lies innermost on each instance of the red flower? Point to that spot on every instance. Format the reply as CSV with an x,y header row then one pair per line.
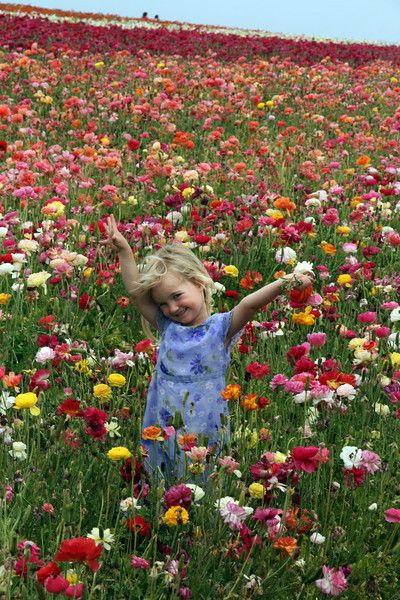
x,y
70,407
202,239
133,145
143,345
299,297
3,146
139,525
39,380
80,550
354,477
307,458
257,370
232,294
84,301
49,570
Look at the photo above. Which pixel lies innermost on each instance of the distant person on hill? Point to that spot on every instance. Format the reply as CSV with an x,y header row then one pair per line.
x,y
145,16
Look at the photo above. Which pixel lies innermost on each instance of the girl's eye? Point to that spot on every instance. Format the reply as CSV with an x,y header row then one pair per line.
x,y
176,296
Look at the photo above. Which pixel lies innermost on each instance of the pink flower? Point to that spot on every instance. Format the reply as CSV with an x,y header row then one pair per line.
x,y
74,591
381,331
333,582
370,461
233,514
178,495
229,463
278,380
138,562
197,453
307,458
316,339
392,515
367,317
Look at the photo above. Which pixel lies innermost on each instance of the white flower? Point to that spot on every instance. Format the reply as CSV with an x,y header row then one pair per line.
x,y
304,267
351,456
28,246
6,402
6,268
44,354
3,232
197,492
222,502
112,428
174,217
129,504
395,314
381,409
219,288
18,451
394,341
317,538
373,506
106,539
285,255
346,391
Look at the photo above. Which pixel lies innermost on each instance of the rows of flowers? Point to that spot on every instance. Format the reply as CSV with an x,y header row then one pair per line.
x,y
260,166
21,27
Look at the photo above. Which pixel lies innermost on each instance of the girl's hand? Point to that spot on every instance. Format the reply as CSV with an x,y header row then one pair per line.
x,y
115,239
299,281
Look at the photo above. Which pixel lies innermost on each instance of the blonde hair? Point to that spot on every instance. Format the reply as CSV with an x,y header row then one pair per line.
x,y
179,260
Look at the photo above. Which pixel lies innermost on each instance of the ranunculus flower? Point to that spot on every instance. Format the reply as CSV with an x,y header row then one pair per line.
x,y
82,550
392,515
119,453
28,400
116,380
102,391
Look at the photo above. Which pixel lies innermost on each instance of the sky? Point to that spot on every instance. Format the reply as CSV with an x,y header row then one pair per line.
x,y
360,20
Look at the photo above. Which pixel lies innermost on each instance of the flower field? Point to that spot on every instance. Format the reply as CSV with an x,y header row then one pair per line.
x,y
262,154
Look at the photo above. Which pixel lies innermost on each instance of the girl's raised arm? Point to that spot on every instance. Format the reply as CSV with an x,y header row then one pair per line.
x,y
245,310
129,270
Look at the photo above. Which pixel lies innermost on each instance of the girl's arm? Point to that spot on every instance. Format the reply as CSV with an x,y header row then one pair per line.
x,y
245,310
129,271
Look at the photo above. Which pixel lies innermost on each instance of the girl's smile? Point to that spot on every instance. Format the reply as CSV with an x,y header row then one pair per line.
x,y
181,300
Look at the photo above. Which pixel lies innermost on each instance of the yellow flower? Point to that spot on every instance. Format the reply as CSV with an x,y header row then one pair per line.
x,y
345,280
132,200
99,65
182,236
343,229
188,192
82,366
4,298
231,271
116,380
37,279
87,272
54,210
102,391
304,318
356,343
27,400
261,105
176,515
269,103
395,358
119,453
279,457
256,490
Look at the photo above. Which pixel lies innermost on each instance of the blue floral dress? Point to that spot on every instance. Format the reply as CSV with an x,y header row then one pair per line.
x,y
188,377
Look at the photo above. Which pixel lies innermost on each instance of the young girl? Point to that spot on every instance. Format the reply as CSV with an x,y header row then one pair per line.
x,y
172,291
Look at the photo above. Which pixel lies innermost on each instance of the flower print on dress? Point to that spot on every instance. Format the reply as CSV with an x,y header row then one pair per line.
x,y
196,366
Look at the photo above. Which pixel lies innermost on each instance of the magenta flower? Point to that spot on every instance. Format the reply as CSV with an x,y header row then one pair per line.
x,y
138,562
392,515
307,458
370,461
178,495
333,582
316,339
367,317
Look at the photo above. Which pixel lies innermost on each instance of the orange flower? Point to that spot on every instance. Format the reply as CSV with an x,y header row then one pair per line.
x,y
328,249
152,433
250,402
250,280
12,380
286,545
284,203
187,439
123,302
363,161
231,392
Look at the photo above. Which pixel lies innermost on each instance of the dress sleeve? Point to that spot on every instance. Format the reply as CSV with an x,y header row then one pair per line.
x,y
226,323
162,322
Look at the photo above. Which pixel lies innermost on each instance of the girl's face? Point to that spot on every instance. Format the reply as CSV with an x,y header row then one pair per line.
x,y
181,300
